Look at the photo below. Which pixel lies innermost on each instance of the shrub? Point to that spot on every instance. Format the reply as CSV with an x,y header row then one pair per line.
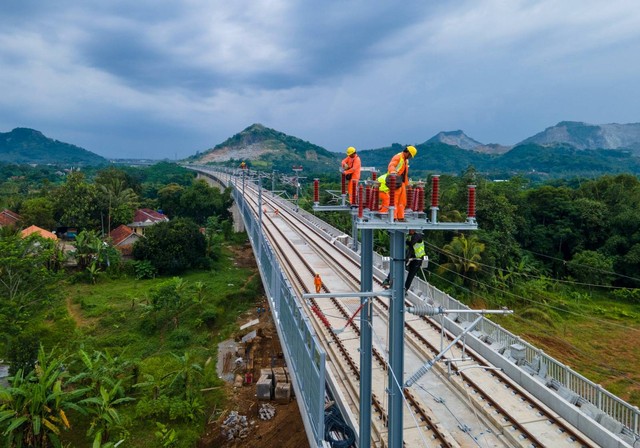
x,y
180,338
143,269
627,295
148,325
23,352
171,408
209,316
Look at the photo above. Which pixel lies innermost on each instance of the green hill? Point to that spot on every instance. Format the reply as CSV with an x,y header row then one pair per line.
x,y
23,145
265,148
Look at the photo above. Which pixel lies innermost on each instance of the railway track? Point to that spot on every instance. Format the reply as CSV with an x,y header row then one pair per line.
x,y
512,417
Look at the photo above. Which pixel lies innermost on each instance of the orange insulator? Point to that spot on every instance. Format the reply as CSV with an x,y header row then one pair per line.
x,y
391,183
316,190
375,206
420,207
410,196
435,189
471,206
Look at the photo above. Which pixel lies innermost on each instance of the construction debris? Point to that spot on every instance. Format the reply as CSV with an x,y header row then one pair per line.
x,y
235,426
267,411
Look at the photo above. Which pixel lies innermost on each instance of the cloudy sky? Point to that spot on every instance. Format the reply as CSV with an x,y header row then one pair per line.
x,y
167,78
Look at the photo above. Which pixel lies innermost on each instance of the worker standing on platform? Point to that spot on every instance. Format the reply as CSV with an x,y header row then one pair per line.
x,y
317,281
399,167
414,255
243,165
383,191
351,169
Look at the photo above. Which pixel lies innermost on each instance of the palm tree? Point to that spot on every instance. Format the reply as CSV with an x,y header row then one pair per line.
x,y
464,256
33,408
117,198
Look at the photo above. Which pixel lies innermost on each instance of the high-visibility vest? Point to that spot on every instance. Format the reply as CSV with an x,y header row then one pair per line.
x,y
383,183
418,250
402,167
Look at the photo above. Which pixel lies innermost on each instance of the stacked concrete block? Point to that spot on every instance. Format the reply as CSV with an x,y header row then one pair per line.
x,y
282,393
264,386
279,376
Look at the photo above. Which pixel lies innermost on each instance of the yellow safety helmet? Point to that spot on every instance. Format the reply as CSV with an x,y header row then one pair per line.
x,y
412,150
351,150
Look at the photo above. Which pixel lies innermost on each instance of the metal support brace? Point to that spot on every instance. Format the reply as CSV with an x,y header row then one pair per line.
x,y
427,366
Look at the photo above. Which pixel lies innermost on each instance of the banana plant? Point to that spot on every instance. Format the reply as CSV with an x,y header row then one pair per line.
x,y
33,409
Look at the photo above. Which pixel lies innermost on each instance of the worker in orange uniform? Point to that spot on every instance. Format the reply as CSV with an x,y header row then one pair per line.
x,y
399,167
243,165
351,169
383,193
317,281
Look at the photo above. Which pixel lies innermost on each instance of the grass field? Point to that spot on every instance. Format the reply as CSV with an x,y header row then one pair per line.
x,y
116,317
590,331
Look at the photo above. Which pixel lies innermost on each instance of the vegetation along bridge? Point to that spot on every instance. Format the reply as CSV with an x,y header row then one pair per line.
x,y
452,379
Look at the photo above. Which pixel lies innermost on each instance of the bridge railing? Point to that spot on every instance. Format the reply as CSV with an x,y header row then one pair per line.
x,y
304,355
572,386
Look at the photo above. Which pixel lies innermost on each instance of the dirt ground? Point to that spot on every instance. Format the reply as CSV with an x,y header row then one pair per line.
x,y
285,429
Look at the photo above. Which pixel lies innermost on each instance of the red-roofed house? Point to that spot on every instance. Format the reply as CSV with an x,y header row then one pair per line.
x,y
146,217
35,229
8,218
123,238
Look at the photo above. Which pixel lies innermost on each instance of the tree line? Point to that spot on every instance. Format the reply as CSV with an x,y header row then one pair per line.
x,y
581,230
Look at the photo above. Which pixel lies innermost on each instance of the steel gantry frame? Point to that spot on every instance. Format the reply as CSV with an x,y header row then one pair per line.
x,y
366,220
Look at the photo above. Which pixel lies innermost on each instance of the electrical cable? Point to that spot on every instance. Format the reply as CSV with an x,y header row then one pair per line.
x,y
603,368
583,265
334,424
561,310
401,388
523,274
475,412
460,424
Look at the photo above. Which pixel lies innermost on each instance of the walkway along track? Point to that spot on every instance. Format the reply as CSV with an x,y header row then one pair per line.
x,y
517,419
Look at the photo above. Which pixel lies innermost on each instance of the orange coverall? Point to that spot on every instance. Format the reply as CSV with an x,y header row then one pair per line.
x,y
400,166
383,194
317,281
351,165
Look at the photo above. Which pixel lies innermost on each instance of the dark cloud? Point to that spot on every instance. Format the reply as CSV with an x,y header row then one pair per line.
x,y
157,77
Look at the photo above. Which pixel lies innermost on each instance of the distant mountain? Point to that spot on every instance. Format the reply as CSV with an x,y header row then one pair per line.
x,y
23,145
588,136
446,153
265,148
455,138
461,140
